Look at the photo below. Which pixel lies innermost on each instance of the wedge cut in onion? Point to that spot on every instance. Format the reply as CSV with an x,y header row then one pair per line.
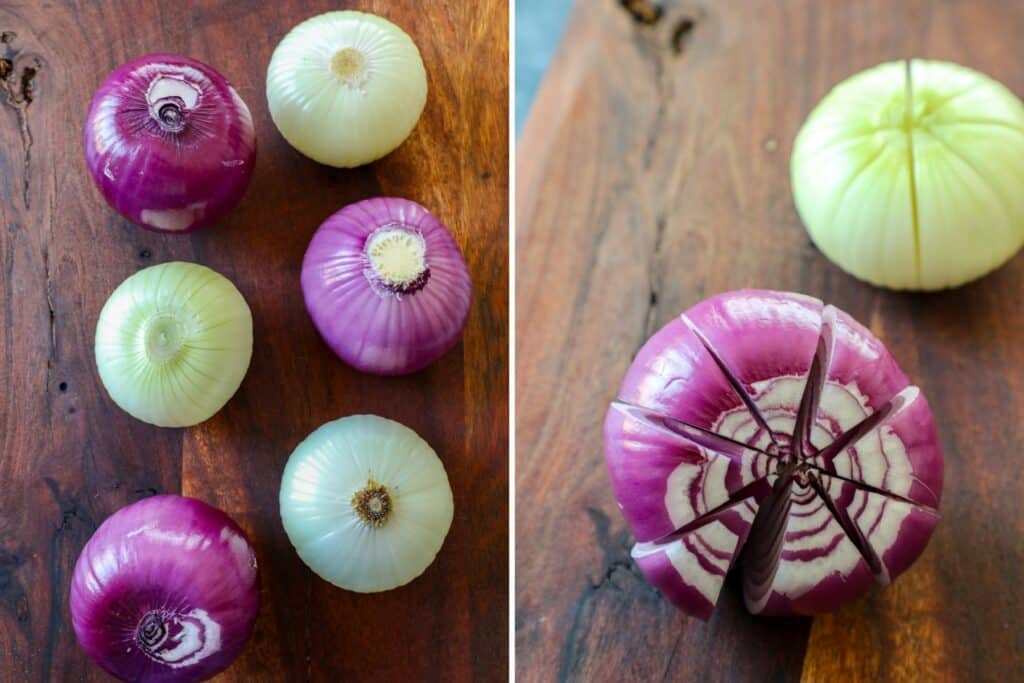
x,y
908,175
386,286
366,503
346,88
173,343
768,430
167,589
169,143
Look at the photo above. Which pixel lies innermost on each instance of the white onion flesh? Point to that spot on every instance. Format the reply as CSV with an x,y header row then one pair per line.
x,y
173,343
319,489
908,176
346,88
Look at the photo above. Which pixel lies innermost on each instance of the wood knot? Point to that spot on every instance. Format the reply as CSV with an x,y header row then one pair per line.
x,y
642,11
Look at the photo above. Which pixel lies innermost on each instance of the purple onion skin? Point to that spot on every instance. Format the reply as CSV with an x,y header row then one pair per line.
x,y
166,590
162,159
371,324
768,430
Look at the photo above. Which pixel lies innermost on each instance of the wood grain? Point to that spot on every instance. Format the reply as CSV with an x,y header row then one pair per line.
x,y
653,172
70,457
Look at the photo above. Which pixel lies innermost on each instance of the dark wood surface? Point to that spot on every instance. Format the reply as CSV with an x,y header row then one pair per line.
x,y
70,457
653,172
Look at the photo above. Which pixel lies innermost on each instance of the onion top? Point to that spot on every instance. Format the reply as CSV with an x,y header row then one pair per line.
x,y
173,343
169,143
386,285
346,88
366,503
770,423
908,175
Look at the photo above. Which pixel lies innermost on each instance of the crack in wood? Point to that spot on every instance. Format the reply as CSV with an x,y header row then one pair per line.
x,y
655,278
664,94
76,526
615,548
13,597
48,290
683,28
18,87
609,574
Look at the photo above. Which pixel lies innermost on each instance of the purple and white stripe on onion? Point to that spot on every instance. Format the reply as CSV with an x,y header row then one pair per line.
x,y
769,423
167,589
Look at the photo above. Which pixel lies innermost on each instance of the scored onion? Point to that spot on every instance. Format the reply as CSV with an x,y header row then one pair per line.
x,y
169,143
166,590
366,503
908,175
769,423
173,343
386,286
346,88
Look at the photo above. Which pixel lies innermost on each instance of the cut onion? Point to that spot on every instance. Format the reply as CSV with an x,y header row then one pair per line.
x,y
169,143
386,286
769,424
173,343
346,88
366,503
908,175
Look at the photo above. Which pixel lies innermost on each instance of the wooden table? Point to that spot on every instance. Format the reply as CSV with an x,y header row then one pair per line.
x,y
70,457
653,172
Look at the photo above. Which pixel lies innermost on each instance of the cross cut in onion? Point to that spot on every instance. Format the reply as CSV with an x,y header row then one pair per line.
x,y
769,423
908,175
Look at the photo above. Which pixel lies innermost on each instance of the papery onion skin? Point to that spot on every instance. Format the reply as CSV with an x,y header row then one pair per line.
x,y
373,325
167,590
770,424
320,485
346,109
169,143
922,195
173,343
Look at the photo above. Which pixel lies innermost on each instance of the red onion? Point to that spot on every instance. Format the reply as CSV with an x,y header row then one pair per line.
x,y
386,286
165,590
169,143
769,423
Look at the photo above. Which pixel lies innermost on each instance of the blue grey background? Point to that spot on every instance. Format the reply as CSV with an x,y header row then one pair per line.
x,y
539,27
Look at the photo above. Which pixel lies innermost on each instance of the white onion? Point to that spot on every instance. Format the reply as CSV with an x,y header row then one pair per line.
x,y
173,343
346,88
366,503
909,175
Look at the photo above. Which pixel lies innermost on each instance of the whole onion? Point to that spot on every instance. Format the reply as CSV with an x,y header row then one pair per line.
x,y
173,343
165,590
908,175
386,286
346,88
769,423
169,143
366,503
